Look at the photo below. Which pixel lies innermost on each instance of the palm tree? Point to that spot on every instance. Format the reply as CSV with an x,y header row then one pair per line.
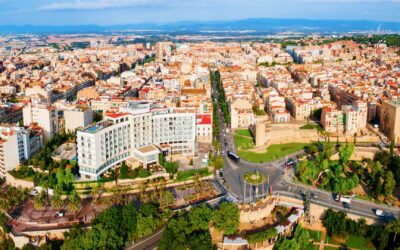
x,y
142,191
56,201
394,227
40,200
74,202
96,192
197,183
117,197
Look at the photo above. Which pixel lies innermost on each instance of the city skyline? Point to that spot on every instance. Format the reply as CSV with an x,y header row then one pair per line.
x,y
112,12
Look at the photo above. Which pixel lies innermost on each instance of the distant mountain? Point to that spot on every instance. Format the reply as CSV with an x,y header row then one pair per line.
x,y
264,25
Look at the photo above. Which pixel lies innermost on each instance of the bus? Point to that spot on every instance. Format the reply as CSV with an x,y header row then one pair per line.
x,y
233,156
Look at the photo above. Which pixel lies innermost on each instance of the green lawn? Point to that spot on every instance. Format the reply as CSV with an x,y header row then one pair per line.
x,y
185,175
311,246
354,242
243,132
359,243
315,235
312,126
273,152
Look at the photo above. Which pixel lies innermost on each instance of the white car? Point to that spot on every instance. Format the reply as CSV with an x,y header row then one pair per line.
x,y
60,214
379,213
33,192
223,153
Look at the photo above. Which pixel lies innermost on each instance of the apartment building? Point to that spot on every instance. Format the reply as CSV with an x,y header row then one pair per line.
x,y
10,113
242,114
44,115
204,128
356,117
350,119
332,120
17,144
141,130
77,117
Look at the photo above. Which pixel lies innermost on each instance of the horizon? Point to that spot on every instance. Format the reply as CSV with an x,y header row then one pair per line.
x,y
123,12
203,21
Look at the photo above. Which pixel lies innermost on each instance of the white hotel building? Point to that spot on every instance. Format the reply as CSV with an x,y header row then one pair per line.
x,y
142,131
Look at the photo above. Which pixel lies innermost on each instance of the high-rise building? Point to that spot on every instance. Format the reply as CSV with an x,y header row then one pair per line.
x,y
140,131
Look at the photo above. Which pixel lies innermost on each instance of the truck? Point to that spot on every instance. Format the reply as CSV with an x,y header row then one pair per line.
x,y
343,198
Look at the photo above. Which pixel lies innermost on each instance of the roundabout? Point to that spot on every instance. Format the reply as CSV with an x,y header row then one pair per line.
x,y
255,186
255,178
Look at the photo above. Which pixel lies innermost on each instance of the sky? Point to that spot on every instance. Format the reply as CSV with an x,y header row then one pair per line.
x,y
109,12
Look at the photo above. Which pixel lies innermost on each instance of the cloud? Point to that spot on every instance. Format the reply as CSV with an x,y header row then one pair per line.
x,y
97,4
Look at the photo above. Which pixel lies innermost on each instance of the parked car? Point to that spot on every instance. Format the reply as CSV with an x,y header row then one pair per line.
x,y
60,214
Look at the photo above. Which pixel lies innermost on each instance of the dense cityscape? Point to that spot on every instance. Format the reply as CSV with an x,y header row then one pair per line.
x,y
256,133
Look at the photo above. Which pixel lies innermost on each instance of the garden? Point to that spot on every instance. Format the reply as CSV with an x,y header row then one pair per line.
x,y
245,145
369,179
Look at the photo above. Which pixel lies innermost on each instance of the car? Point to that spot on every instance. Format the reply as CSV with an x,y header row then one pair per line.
x,y
303,195
34,192
380,213
346,205
313,195
60,214
223,153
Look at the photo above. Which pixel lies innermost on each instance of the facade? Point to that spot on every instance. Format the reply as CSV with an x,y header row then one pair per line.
x,y
356,117
103,145
204,128
131,133
390,120
332,120
17,144
43,115
10,113
242,115
78,117
350,120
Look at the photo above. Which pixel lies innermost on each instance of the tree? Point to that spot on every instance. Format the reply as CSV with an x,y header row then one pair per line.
x,y
200,217
96,192
263,235
172,168
335,222
345,152
123,171
226,218
56,201
302,236
74,202
117,197
218,163
285,244
392,148
40,200
394,227
389,184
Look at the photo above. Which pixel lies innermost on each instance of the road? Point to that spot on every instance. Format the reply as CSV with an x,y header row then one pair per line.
x,y
148,243
280,179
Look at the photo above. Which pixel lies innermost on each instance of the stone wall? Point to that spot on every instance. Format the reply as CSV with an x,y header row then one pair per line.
x,y
12,181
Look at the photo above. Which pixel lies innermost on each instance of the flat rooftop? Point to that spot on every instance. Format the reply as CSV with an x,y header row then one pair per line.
x,y
97,127
148,149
